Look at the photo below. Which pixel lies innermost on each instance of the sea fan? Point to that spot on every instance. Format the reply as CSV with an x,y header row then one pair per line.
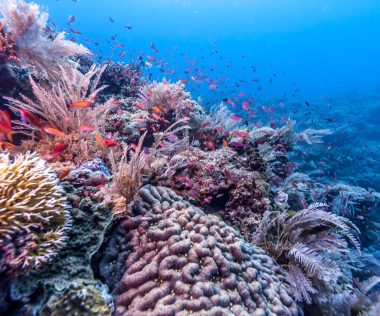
x,y
51,103
38,49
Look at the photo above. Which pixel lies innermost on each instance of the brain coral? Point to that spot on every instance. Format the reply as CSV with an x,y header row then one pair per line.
x,y
179,261
33,213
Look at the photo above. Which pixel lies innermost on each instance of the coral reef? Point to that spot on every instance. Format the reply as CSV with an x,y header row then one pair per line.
x,y
34,214
56,129
90,219
27,39
126,79
304,243
181,261
156,234
79,298
219,181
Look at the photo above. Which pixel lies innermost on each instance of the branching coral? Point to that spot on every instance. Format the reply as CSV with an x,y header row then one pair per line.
x,y
126,79
35,47
33,214
161,104
219,117
7,49
303,241
274,144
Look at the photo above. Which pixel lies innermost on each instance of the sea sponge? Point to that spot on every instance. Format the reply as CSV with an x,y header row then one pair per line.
x,y
176,260
79,298
33,213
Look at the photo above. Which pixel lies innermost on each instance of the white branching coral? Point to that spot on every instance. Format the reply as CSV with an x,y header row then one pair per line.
x,y
171,98
36,48
33,214
313,136
219,116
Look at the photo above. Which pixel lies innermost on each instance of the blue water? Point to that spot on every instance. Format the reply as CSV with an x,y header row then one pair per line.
x,y
300,49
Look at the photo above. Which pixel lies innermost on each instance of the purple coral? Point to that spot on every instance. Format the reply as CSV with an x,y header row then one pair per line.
x,y
183,262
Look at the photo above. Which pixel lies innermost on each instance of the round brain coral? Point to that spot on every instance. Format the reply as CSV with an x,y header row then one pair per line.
x,y
33,214
176,260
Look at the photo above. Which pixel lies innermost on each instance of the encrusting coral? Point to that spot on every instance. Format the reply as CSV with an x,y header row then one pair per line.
x,y
79,298
89,221
175,260
33,214
219,181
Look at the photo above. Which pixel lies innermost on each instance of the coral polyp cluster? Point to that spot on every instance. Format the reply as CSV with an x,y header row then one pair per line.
x,y
33,214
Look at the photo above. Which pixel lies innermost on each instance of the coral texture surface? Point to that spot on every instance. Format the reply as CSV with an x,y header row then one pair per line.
x,y
181,261
33,214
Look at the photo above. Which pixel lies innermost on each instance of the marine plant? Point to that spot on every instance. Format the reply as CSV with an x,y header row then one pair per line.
x,y
34,44
33,214
127,178
304,242
65,115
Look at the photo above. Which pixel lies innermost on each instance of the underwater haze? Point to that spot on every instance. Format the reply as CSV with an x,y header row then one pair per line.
x,y
320,48
190,157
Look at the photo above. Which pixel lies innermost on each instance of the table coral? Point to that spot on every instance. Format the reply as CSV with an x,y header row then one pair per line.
x,y
178,261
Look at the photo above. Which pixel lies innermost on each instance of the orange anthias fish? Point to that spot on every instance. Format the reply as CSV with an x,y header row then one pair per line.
x,y
156,108
5,146
241,134
211,145
6,125
31,119
53,131
236,118
205,124
59,148
110,143
85,128
64,173
81,104
105,142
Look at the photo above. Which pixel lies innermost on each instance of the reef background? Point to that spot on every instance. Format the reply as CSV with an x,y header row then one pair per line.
x,y
198,193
